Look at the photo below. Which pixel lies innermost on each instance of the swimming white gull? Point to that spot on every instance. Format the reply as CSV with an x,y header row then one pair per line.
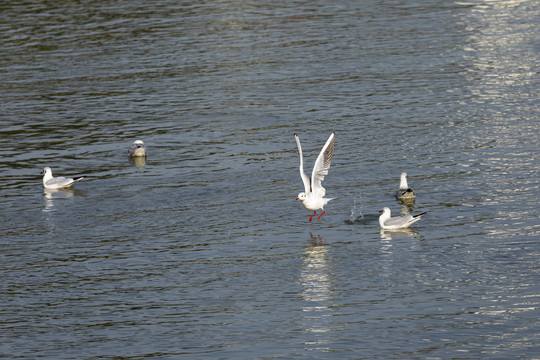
x,y
51,182
137,149
404,192
399,222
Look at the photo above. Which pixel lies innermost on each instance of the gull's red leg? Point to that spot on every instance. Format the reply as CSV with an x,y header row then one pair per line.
x,y
323,212
311,217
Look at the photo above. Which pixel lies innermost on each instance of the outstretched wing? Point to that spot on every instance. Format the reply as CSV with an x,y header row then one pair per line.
x,y
305,178
320,170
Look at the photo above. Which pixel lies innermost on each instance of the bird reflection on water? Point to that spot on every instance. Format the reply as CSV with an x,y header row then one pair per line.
x,y
387,235
317,294
52,196
407,205
138,161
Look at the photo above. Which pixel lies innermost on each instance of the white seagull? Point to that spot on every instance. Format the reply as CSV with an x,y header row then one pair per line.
x,y
404,192
398,222
137,149
50,182
313,198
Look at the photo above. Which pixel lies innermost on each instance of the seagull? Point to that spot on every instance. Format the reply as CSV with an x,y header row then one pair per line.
x,y
313,198
404,192
50,182
398,222
137,149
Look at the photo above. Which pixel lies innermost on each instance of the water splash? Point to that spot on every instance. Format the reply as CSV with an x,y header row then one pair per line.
x,y
353,218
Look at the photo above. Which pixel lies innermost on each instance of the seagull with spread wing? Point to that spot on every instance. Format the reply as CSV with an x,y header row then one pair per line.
x,y
313,197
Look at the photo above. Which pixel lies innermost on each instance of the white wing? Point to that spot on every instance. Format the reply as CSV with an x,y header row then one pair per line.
x,y
60,182
303,175
403,221
399,221
321,167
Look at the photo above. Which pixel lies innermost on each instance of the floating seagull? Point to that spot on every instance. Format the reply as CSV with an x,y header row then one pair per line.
x,y
404,192
398,222
50,182
313,198
137,149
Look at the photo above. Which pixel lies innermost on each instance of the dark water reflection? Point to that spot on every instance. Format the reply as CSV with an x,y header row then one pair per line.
x,y
202,251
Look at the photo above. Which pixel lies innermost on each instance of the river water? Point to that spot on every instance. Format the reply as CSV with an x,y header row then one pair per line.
x,y
202,251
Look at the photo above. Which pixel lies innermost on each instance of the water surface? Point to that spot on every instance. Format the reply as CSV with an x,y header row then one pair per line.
x,y
202,251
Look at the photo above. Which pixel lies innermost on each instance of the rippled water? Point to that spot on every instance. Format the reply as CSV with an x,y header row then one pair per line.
x,y
202,251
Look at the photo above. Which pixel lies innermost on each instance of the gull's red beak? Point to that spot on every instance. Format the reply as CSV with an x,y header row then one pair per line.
x,y
297,198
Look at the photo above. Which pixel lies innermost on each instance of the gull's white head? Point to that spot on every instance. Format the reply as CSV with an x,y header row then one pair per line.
x,y
403,181
301,196
47,174
385,215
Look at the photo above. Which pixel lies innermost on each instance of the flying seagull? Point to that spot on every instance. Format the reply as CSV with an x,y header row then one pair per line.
x,y
313,197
